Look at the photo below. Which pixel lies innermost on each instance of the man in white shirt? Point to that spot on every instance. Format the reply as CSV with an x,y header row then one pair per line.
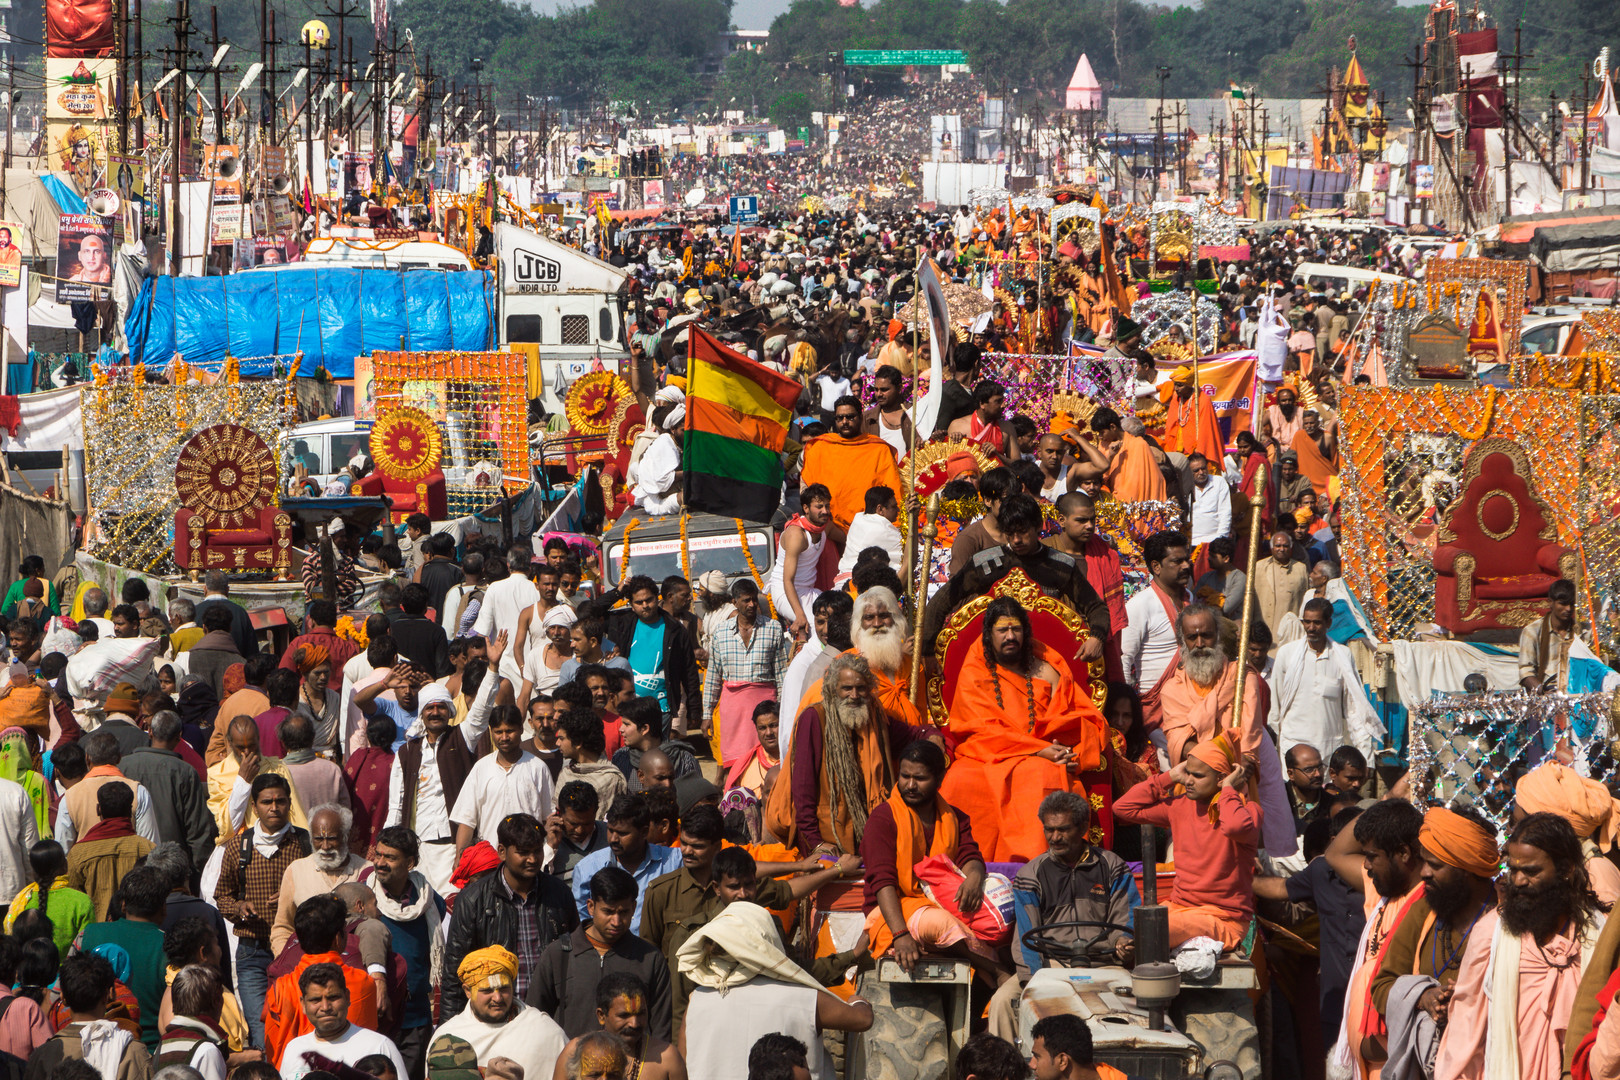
x,y
432,767
504,601
1211,502
326,1004
1150,647
1317,699
509,781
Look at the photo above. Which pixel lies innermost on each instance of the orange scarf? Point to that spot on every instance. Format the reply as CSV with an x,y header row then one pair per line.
x,y
908,839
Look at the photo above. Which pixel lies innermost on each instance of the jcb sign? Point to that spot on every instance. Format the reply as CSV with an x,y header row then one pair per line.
x,y
534,273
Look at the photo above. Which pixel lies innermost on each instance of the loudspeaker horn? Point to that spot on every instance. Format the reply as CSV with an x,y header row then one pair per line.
x,y
103,202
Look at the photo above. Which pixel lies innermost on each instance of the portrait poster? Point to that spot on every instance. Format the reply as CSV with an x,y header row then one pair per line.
x,y
10,254
84,249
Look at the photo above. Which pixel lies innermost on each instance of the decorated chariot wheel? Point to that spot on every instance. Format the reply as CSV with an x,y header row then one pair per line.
x,y
225,473
592,400
406,445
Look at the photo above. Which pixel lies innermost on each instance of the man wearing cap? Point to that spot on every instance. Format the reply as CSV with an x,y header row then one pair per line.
x,y
1127,341
496,1024
1460,863
431,767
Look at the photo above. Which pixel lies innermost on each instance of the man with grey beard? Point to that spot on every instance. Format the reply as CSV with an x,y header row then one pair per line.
x,y
841,762
329,865
1198,700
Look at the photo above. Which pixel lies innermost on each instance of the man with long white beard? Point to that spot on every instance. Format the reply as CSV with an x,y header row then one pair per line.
x,y
841,762
1520,971
1197,701
881,636
329,865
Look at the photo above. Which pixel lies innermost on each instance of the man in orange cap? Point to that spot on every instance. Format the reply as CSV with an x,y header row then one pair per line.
x,y
1215,828
1190,425
1460,861
1553,788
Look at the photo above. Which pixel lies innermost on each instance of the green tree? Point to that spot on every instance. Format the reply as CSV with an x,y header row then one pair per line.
x,y
791,110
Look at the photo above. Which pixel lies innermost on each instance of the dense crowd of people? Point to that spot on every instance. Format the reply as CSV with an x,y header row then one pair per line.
x,y
503,815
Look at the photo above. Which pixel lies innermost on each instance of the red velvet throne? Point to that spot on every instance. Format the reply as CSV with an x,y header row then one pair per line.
x,y
228,520
1498,548
407,448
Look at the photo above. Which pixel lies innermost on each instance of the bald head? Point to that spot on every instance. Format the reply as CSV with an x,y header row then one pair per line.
x,y
1051,442
656,770
243,735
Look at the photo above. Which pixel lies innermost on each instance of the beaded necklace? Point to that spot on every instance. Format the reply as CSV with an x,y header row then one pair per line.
x,y
1454,955
1029,688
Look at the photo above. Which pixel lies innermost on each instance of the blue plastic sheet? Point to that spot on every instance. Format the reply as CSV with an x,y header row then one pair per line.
x,y
331,314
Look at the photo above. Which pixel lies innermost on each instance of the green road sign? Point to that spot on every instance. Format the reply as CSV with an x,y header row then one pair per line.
x,y
903,57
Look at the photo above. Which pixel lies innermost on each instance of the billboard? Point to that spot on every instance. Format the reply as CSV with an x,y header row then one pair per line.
x,y
84,249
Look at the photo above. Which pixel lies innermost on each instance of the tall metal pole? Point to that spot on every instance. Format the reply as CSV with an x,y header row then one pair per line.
x,y
1248,593
178,126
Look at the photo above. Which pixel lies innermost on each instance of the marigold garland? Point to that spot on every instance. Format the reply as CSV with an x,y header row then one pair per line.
x,y
350,630
624,555
686,556
1455,425
742,537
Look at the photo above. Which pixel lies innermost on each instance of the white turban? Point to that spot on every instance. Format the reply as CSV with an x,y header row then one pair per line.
x,y
669,395
434,694
676,415
559,615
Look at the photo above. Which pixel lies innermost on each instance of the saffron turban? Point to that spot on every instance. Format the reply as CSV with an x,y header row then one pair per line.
x,y
1461,842
309,657
494,962
1183,375
1557,789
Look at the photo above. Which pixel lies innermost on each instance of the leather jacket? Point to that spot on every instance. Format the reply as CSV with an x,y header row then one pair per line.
x,y
486,914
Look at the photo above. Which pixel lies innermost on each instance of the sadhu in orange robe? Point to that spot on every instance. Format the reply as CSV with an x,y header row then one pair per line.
x,y
1314,464
849,467
1191,426
1133,475
996,779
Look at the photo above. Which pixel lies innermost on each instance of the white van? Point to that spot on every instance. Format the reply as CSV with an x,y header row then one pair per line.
x,y
1320,277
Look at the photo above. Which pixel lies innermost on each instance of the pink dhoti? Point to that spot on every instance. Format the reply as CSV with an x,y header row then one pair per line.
x,y
737,703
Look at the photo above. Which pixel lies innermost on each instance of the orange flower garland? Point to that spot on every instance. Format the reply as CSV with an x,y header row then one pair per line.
x,y
742,537
624,556
1455,425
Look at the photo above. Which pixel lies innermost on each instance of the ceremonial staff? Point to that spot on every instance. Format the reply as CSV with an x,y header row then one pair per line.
x,y
1248,593
919,584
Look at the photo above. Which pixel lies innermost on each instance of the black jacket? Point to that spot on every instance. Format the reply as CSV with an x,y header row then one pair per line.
x,y
564,986
179,799
421,641
680,662
485,914
247,642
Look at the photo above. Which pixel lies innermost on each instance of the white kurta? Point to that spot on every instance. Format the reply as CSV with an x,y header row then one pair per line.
x,y
530,1038
656,474
1318,700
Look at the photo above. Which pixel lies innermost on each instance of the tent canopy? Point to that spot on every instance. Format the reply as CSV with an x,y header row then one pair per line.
x,y
330,314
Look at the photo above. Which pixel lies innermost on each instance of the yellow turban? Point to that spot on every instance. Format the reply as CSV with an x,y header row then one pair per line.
x,y
1305,514
1182,374
495,962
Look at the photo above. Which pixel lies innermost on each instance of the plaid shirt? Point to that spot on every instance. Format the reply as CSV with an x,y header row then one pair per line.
x,y
764,660
528,945
259,886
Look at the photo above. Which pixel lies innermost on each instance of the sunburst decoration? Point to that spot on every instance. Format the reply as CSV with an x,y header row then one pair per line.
x,y
591,401
406,444
224,473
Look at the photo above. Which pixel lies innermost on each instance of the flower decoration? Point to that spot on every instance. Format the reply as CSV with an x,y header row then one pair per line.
x,y
591,402
406,444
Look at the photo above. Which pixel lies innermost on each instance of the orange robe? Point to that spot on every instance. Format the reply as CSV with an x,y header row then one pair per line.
x,y
996,778
1314,464
284,1018
1190,717
1192,427
1133,476
849,467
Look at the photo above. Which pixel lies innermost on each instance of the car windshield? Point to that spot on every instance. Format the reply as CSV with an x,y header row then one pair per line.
x,y
659,559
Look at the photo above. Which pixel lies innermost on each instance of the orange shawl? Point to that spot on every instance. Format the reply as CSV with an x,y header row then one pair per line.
x,y
909,850
1133,476
1191,426
1191,717
1313,464
849,467
877,776
27,707
997,779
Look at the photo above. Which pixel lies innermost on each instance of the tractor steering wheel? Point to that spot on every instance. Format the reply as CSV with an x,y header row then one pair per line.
x,y
1039,938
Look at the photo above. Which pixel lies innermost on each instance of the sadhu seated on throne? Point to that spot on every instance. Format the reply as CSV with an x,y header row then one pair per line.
x,y
1021,728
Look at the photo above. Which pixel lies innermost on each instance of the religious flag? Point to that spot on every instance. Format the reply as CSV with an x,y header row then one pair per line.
x,y
737,417
940,342
1237,92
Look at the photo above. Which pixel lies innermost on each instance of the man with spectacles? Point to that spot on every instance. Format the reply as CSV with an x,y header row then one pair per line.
x,y
1305,773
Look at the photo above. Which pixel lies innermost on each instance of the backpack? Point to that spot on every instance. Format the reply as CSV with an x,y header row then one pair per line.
x,y
244,851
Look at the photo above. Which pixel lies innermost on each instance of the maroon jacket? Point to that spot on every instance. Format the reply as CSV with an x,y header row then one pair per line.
x,y
809,752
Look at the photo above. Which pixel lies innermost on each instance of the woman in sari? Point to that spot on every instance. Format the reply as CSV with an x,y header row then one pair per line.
x,y
198,706
368,773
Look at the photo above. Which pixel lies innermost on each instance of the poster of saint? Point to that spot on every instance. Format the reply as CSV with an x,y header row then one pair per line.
x,y
84,249
10,254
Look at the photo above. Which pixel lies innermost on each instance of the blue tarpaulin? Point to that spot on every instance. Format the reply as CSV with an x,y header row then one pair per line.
x,y
332,314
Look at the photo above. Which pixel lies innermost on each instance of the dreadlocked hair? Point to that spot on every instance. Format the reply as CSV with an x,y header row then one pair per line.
x,y
1005,607
843,764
